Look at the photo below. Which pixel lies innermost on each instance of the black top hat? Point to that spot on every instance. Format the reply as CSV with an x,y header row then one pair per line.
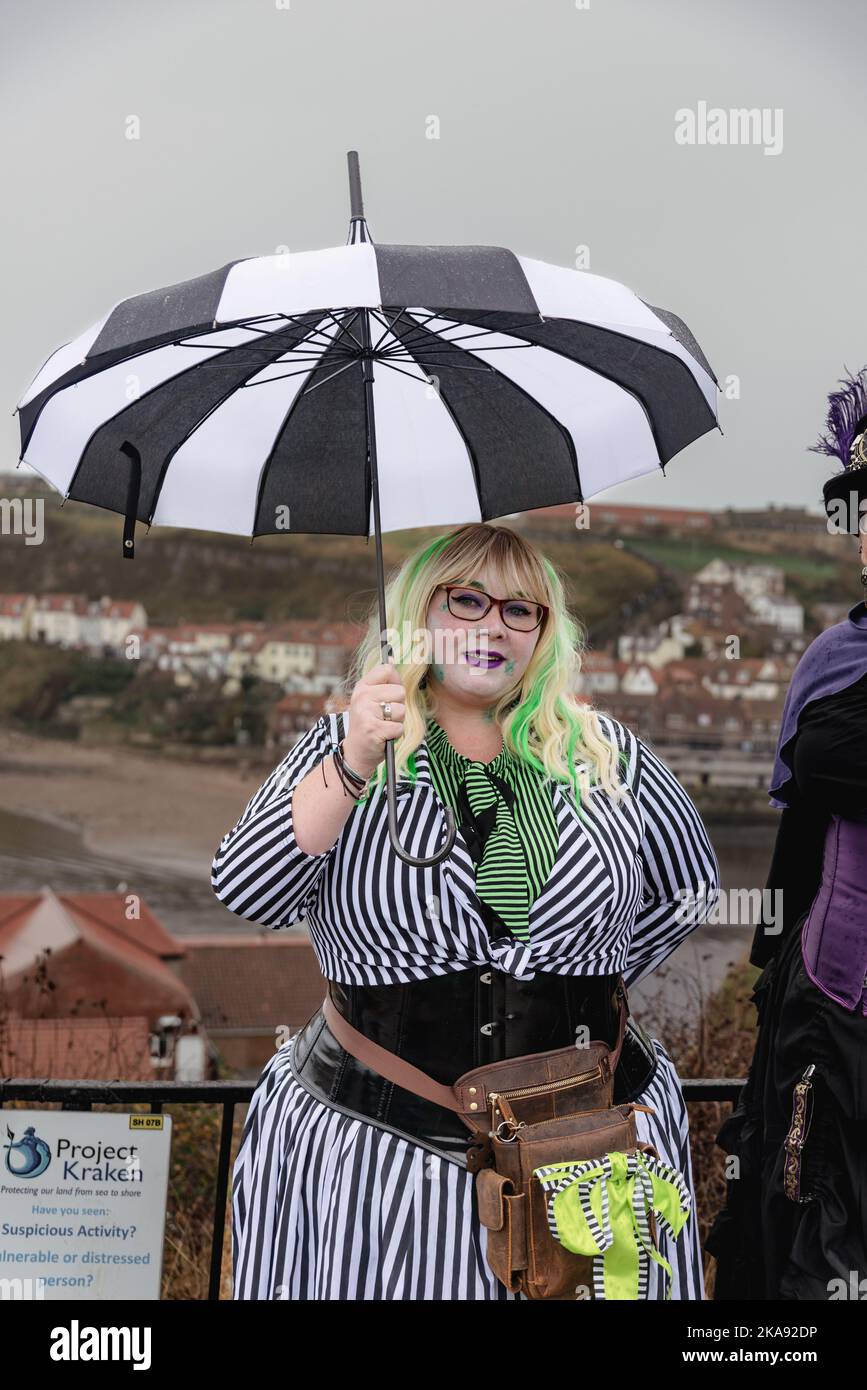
x,y
846,440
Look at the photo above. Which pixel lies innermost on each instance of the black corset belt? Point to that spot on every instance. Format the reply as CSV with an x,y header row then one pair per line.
x,y
448,1024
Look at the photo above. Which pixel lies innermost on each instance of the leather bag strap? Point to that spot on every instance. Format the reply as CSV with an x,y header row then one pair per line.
x,y
386,1063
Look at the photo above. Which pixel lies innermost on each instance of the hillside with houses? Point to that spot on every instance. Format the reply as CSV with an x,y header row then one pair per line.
x,y
694,620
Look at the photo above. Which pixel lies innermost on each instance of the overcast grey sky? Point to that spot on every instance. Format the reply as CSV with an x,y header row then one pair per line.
x,y
556,130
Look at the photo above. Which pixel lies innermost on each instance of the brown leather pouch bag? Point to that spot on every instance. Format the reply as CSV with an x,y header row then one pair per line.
x,y
523,1113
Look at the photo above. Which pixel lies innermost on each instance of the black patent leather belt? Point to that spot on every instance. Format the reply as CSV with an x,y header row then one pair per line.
x,y
447,1025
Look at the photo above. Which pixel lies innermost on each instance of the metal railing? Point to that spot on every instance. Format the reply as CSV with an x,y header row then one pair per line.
x,y
83,1095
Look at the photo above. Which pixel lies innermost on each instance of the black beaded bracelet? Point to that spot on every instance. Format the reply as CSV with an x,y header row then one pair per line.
x,y
349,789
351,773
352,783
337,768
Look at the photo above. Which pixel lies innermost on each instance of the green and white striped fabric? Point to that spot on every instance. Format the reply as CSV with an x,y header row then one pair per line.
x,y
520,841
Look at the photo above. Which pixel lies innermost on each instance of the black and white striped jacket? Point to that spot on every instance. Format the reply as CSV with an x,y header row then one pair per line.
x,y
622,894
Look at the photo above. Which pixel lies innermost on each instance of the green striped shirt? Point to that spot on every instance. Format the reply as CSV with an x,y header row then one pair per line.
x,y
520,850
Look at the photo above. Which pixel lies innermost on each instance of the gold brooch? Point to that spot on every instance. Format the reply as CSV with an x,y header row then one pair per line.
x,y
858,451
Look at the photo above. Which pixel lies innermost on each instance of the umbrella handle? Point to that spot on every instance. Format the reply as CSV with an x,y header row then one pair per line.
x,y
413,860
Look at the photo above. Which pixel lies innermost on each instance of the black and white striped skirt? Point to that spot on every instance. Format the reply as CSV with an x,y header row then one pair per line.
x,y
325,1206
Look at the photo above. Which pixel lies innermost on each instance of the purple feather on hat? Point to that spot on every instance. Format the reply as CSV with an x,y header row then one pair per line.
x,y
847,409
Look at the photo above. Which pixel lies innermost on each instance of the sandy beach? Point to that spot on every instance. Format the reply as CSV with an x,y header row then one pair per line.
x,y
127,805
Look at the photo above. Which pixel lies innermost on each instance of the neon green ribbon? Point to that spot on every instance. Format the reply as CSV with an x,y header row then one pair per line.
x,y
599,1207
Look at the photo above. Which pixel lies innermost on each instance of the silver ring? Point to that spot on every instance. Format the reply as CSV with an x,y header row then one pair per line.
x,y
386,709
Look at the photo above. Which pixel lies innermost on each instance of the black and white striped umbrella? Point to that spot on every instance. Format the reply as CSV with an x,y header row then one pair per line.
x,y
365,388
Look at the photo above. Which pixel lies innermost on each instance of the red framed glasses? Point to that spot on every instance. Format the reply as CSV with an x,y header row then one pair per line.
x,y
520,614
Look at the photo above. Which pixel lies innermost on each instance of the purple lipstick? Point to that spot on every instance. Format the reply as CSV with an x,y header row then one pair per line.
x,y
489,662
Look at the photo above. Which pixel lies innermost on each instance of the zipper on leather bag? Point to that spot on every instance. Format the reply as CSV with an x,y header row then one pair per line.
x,y
579,1079
500,1101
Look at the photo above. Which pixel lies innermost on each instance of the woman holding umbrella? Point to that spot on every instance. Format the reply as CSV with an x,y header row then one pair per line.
x,y
795,1222
377,387
575,851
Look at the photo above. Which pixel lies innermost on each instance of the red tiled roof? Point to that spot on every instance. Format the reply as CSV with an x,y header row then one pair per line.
x,y
223,629
118,608
688,671
89,937
77,1049
693,702
313,632
109,910
56,603
12,604
257,982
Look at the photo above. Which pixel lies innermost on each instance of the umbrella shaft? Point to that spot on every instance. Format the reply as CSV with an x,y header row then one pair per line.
x,y
385,649
370,427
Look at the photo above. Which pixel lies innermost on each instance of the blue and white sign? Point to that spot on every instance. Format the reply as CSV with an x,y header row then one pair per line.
x,y
82,1204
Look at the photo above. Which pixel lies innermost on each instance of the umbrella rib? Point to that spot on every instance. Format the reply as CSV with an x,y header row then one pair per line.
x,y
302,370
269,359
390,329
413,338
307,389
284,376
172,452
283,318
565,433
198,424
313,332
403,345
263,361
483,332
631,390
422,380
344,329
386,327
402,349
499,347
238,348
459,367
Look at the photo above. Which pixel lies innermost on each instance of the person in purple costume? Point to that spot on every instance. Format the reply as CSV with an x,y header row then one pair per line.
x,y
794,1224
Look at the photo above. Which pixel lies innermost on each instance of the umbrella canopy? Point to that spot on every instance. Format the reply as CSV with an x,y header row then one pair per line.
x,y
501,384
365,388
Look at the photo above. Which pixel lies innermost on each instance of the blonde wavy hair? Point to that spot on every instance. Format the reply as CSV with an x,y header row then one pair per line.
x,y
542,722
